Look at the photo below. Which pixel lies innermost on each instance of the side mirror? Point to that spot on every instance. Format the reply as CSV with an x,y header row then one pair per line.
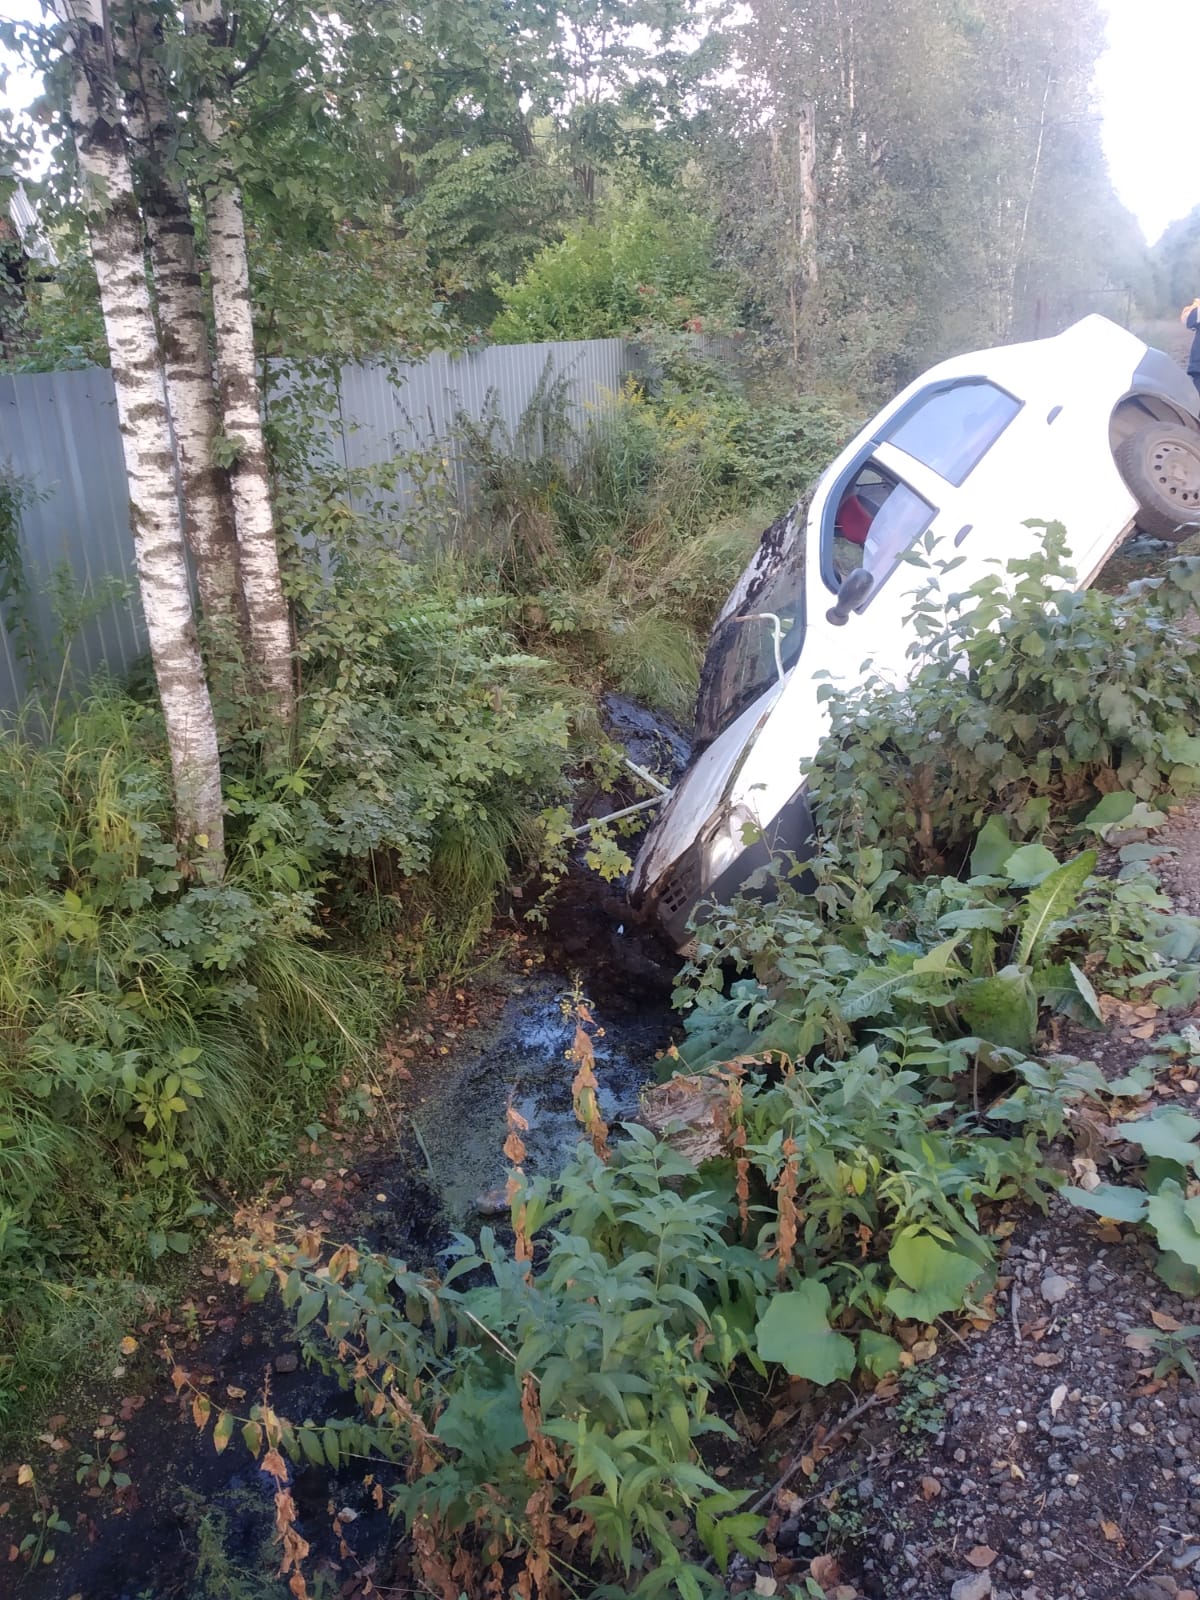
x,y
856,586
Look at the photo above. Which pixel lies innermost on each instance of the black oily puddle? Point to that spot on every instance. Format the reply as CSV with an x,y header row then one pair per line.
x,y
189,1498
461,1117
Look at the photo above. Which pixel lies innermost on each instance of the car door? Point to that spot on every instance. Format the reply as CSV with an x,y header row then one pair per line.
x,y
919,502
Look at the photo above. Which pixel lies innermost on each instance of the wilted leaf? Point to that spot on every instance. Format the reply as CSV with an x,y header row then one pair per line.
x,y
223,1431
931,1488
1057,1398
127,1345
24,1475
201,1409
982,1556
1168,1324
1111,1532
824,1570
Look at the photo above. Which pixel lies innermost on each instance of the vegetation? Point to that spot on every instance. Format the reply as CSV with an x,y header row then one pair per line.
x,y
816,1183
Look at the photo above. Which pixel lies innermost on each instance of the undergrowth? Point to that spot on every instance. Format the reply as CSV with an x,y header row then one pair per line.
x,y
617,543
815,1187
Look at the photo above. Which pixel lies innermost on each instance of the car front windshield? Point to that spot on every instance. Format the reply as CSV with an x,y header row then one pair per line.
x,y
750,651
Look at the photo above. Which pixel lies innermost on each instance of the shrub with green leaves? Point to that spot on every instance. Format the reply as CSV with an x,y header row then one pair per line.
x,y
154,1031
1031,702
618,543
647,264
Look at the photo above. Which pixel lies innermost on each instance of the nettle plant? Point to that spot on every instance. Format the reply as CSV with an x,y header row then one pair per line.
x,y
1032,701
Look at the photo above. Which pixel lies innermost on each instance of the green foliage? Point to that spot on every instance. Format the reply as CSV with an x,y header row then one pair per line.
x,y
648,264
1055,698
1168,1203
620,543
154,1032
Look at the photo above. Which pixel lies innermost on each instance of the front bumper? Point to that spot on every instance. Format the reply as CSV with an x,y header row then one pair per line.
x,y
682,889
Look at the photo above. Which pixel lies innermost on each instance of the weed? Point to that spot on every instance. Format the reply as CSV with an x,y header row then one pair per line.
x,y
919,1411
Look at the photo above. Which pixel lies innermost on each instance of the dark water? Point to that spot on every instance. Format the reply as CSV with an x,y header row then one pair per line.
x,y
461,1115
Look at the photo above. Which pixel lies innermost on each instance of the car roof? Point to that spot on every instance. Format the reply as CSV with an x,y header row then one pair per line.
x,y
1092,351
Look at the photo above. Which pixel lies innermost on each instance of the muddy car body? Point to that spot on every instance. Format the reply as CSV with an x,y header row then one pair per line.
x,y
1091,428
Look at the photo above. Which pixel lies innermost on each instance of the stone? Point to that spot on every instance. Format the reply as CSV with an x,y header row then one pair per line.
x,y
1055,1288
977,1587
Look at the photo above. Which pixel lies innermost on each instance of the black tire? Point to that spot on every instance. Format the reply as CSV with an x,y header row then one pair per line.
x,y
1161,466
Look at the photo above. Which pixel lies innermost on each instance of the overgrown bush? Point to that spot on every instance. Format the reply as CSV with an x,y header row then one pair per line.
x,y
648,264
155,1032
1032,701
619,542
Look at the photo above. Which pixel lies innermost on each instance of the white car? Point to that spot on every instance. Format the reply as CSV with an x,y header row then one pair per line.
x,y
1091,428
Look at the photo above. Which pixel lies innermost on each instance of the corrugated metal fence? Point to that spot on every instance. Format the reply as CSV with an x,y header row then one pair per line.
x,y
60,443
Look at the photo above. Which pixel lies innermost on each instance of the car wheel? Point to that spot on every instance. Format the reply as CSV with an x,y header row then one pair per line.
x,y
1161,466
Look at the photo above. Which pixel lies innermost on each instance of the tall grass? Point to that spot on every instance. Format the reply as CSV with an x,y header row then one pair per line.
x,y
158,1037
622,539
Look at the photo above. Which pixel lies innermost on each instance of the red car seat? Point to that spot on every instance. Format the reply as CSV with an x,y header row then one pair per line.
x,y
853,520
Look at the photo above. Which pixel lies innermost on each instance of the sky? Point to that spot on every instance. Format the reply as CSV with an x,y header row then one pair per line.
x,y
1146,90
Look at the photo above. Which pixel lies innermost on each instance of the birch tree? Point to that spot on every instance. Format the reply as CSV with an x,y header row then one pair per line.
x,y
184,341
268,623
115,231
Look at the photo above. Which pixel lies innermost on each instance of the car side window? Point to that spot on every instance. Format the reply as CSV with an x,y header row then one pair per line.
x,y
951,430
877,519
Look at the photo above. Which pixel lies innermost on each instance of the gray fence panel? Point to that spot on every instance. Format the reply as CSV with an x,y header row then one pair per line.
x,y
59,437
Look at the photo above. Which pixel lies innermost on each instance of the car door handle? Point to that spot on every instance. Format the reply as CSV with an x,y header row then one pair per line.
x,y
962,533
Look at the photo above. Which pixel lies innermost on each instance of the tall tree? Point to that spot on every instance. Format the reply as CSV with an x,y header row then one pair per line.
x,y
183,338
268,623
115,229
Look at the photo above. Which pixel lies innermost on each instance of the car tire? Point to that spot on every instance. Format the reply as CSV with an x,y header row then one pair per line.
x,y
1161,467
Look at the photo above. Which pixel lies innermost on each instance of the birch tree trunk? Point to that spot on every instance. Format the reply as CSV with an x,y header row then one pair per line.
x,y
208,521
258,554
115,233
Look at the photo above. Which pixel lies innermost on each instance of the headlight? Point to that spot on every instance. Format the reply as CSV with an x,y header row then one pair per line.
x,y
726,842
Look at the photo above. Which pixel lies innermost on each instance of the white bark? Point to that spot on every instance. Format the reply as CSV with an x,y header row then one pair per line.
x,y
258,553
114,228
183,338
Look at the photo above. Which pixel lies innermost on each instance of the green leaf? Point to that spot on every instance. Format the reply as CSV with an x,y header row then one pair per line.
x,y
993,846
1029,865
870,993
1002,1009
1176,1222
1112,808
1134,1082
1116,1201
1052,900
878,1354
937,1278
310,1304
1177,1275
1169,1134
940,958
1087,993
795,1332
